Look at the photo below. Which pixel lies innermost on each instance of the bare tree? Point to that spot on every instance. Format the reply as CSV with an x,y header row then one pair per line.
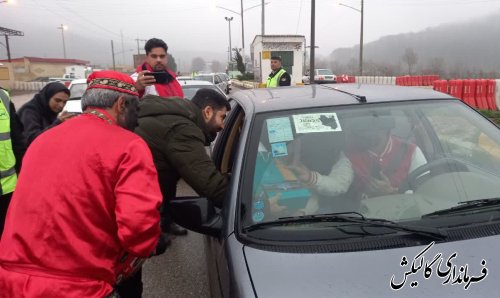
x,y
198,64
216,66
410,58
437,65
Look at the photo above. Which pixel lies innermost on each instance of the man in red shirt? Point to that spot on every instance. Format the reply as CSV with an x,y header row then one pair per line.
x,y
87,198
164,82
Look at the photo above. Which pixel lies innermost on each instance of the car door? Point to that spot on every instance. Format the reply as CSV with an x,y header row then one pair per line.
x,y
223,155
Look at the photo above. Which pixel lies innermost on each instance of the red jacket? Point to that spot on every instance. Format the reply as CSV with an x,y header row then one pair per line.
x,y
394,162
87,193
172,88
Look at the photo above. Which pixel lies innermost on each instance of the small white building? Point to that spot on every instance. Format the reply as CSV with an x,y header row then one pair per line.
x,y
289,47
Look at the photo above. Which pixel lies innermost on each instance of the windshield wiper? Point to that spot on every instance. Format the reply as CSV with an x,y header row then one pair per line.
x,y
466,206
349,218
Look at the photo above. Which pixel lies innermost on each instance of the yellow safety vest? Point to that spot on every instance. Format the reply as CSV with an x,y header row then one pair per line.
x,y
273,82
8,176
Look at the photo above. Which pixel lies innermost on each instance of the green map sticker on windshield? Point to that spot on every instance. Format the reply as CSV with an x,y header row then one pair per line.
x,y
279,130
319,122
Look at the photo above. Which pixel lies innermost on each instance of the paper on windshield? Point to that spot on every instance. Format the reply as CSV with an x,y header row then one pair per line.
x,y
319,122
279,130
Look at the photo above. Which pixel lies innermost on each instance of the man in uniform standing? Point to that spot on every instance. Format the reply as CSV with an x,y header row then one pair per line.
x,y
278,77
12,148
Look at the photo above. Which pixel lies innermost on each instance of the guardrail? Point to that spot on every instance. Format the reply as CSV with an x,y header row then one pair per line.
x,y
28,86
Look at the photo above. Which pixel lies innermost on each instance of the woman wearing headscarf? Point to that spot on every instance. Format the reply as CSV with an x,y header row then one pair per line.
x,y
42,111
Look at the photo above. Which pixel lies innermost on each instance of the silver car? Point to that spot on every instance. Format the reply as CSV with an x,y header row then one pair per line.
x,y
352,191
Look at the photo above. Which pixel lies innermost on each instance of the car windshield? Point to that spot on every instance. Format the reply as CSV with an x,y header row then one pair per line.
x,y
190,90
208,78
397,161
77,90
324,72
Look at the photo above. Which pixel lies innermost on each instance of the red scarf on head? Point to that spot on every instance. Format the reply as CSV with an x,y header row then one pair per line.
x,y
169,89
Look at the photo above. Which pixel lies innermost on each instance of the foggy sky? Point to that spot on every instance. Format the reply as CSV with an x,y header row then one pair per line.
x,y
197,27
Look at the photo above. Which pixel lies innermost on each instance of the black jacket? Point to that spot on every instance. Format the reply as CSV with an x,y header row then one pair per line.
x,y
17,137
175,132
36,115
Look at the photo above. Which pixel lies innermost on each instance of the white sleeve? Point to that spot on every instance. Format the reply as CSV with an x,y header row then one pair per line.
x,y
418,159
134,76
339,180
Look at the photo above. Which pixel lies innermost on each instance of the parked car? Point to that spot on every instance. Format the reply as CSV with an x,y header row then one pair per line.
x,y
427,226
76,88
214,79
184,78
226,78
321,76
189,87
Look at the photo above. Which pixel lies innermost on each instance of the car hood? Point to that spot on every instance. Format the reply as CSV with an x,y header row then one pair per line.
x,y
369,273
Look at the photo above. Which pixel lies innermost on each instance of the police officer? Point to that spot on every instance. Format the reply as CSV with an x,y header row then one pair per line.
x,y
12,148
278,76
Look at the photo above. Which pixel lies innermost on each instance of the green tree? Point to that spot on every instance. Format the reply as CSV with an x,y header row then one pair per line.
x,y
171,63
198,64
239,61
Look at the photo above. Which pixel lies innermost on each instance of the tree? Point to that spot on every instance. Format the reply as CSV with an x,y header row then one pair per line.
x,y
239,61
198,64
217,66
171,63
410,58
437,66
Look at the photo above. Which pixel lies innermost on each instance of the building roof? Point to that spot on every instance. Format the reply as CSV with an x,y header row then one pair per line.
x,y
49,60
265,38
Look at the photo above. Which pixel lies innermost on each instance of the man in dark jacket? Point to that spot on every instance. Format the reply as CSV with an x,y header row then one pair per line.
x,y
177,131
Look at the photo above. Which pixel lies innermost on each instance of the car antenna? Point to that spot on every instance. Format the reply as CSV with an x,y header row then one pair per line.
x,y
360,98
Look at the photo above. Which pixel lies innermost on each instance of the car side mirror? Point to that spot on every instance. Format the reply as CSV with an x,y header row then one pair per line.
x,y
197,214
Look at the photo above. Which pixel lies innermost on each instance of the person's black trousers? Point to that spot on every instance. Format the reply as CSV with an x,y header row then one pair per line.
x,y
131,287
4,205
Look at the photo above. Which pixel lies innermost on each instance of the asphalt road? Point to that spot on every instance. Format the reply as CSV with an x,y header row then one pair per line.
x,y
181,271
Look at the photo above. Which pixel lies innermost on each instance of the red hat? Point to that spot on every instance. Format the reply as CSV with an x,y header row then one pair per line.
x,y
114,80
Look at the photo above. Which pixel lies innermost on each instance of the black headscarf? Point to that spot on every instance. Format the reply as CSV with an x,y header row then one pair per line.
x,y
43,97
36,114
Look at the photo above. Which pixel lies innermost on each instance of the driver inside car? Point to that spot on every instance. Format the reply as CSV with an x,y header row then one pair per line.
x,y
381,160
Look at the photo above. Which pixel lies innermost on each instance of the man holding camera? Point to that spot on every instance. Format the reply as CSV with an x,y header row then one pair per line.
x,y
153,77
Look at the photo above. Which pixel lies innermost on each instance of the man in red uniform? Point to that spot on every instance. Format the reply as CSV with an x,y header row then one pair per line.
x,y
88,195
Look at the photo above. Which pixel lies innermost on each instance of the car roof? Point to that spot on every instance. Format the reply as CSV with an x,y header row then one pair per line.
x,y
79,81
284,98
194,83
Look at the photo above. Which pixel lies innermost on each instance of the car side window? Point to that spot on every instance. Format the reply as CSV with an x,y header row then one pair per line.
x,y
228,139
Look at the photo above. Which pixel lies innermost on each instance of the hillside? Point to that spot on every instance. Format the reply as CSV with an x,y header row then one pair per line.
x,y
467,48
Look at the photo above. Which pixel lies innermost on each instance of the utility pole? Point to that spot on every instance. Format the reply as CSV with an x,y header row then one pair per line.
x,y
263,18
9,32
138,46
242,34
113,54
361,43
230,54
311,58
64,44
123,47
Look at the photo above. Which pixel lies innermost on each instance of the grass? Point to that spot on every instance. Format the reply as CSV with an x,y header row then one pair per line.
x,y
493,115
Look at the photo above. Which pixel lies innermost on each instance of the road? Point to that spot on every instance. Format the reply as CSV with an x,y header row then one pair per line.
x,y
181,271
